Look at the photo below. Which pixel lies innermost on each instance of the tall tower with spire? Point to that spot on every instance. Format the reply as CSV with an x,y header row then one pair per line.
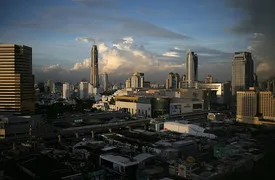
x,y
94,77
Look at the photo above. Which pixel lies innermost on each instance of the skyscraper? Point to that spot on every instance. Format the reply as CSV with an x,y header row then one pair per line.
x,y
105,82
191,67
94,77
247,105
173,81
16,79
137,80
66,90
242,72
83,90
253,104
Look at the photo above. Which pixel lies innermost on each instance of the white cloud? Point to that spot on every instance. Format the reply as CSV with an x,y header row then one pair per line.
x,y
171,54
85,64
85,39
51,67
123,58
102,48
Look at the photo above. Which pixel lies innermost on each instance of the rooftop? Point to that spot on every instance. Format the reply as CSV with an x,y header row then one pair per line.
x,y
124,161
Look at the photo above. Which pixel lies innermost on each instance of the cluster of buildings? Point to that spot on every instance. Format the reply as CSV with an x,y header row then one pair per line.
x,y
146,131
254,104
17,81
137,81
155,150
18,91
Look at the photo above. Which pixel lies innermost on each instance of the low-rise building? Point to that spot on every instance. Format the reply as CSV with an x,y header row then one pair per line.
x,y
14,127
190,129
154,106
124,166
136,106
223,90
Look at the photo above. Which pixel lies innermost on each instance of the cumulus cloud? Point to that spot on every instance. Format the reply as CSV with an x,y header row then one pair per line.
x,y
102,48
82,65
121,60
259,22
126,56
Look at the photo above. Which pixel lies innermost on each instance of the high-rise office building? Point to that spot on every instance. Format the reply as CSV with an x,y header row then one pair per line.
x,y
242,72
105,81
66,91
137,80
247,105
173,81
253,104
128,83
267,105
16,78
191,67
83,90
94,77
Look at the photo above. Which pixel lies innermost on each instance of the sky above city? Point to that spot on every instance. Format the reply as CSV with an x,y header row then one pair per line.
x,y
149,36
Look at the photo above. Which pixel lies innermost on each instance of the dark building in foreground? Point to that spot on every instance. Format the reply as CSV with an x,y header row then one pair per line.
x,y
16,78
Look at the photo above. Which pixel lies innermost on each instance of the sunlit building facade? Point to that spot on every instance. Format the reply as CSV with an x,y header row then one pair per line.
x,y
191,67
16,78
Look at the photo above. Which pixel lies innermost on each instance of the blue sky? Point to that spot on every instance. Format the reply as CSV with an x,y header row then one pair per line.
x,y
59,32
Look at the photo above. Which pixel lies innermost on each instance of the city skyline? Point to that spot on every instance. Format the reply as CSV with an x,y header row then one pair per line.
x,y
146,37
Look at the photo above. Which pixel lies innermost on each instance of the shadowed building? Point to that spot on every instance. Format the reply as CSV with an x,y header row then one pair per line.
x,y
16,78
242,72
